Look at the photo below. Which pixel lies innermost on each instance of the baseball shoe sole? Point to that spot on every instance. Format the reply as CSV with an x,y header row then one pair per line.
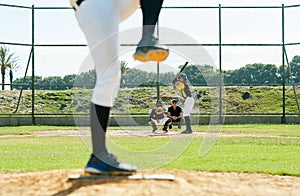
x,y
151,53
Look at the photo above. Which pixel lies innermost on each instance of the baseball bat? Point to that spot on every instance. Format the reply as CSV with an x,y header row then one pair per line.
x,y
182,68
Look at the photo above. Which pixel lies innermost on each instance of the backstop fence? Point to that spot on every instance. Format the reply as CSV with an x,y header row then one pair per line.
x,y
34,49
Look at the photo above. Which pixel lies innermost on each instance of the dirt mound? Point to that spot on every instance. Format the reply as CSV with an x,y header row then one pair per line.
x,y
186,183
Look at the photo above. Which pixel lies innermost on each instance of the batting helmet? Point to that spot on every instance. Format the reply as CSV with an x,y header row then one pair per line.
x,y
182,75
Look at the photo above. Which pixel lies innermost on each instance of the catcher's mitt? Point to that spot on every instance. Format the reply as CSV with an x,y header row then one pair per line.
x,y
159,110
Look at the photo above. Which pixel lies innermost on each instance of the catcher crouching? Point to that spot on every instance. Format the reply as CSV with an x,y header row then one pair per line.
x,y
158,117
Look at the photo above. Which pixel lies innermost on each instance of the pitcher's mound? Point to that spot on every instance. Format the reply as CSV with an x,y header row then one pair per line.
x,y
186,183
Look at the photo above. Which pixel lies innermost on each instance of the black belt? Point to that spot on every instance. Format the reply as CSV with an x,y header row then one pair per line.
x,y
79,2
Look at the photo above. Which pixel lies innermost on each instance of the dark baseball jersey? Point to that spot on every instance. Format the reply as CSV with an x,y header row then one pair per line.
x,y
175,112
185,89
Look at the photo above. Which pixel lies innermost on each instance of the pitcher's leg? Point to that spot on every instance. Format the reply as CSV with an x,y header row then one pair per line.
x,y
99,117
147,49
99,20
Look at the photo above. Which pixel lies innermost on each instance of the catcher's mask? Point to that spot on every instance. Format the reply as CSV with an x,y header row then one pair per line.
x,y
159,103
159,110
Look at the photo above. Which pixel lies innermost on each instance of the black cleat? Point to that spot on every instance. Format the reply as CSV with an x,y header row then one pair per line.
x,y
110,165
187,131
147,50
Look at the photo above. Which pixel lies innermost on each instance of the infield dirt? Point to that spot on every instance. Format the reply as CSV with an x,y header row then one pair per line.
x,y
56,183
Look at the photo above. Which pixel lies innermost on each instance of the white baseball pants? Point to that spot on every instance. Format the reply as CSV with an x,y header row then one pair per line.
x,y
188,106
99,20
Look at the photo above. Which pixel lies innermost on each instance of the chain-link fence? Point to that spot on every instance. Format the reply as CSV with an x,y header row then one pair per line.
x,y
44,37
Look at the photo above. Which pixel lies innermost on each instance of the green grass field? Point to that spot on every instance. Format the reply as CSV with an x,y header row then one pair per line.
x,y
266,154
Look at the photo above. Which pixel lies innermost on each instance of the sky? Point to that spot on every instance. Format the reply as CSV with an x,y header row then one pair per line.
x,y
239,26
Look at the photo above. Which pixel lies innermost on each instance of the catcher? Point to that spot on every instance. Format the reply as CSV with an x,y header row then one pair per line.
x,y
157,117
184,87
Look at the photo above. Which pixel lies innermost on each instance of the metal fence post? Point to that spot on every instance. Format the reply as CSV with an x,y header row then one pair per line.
x,y
157,70
283,119
32,61
220,67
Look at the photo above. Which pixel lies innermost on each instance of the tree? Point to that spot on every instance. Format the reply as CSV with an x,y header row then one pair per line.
x,y
135,77
295,69
14,67
26,82
69,80
124,67
7,60
52,83
199,74
85,79
252,74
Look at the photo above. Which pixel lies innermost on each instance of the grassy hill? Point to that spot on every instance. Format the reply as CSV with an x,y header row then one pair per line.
x,y
242,99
